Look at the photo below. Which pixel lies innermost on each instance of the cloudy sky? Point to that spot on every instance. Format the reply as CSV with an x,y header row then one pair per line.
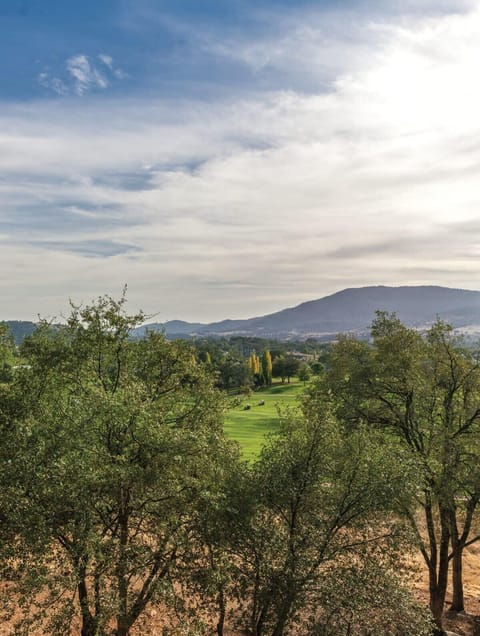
x,y
229,158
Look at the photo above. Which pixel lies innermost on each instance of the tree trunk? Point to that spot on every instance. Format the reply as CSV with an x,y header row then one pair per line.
x,y
123,623
280,625
122,628
89,625
221,614
436,607
283,614
89,622
458,603
259,622
438,563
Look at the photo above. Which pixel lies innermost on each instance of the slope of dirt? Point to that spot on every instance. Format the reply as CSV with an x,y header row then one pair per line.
x,y
464,624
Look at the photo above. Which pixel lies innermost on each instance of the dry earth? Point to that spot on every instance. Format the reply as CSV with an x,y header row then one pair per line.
x,y
468,624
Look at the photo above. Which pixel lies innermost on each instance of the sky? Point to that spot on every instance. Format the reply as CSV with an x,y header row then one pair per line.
x,y
229,158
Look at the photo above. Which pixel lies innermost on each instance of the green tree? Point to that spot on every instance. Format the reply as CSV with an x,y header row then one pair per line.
x,y
124,433
279,367
234,374
285,367
304,372
205,356
292,366
7,353
316,504
267,367
426,392
211,576
11,408
317,368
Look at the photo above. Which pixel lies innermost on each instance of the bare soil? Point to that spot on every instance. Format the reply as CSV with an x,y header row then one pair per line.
x,y
463,624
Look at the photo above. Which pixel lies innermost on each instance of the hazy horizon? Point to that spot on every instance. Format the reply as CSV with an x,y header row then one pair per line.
x,y
154,318
228,160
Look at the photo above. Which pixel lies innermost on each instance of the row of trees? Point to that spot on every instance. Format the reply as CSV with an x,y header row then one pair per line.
x,y
423,394
261,368
119,491
239,366
107,446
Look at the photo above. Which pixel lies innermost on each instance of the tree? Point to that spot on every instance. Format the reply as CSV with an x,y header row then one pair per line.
x,y
211,577
234,374
125,432
291,366
11,408
304,372
426,392
205,357
255,368
267,367
278,367
7,353
317,367
316,504
285,367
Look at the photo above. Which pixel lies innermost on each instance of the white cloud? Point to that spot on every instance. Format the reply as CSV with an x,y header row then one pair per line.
x,y
106,59
52,83
242,207
83,75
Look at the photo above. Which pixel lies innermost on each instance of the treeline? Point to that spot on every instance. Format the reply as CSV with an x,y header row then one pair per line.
x,y
119,490
241,363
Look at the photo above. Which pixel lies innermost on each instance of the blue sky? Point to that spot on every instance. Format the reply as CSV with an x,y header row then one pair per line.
x,y
162,48
230,158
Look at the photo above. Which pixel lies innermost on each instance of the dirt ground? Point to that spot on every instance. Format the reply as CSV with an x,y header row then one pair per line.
x,y
465,624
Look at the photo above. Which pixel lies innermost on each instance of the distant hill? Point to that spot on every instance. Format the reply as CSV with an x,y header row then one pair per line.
x,y
171,328
349,310
20,329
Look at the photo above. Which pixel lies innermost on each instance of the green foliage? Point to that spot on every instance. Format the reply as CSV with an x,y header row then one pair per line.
x,y
317,368
304,372
285,367
424,391
125,435
317,503
267,367
119,489
234,374
7,353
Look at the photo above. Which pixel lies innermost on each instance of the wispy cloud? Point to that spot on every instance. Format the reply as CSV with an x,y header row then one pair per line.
x,y
371,177
107,60
85,75
82,75
89,248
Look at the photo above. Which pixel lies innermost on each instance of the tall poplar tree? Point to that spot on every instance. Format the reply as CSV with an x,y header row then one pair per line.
x,y
267,367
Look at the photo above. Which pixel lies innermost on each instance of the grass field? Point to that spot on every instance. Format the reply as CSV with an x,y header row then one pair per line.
x,y
249,428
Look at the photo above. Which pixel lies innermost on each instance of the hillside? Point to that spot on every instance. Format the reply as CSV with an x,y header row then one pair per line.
x,y
349,310
352,310
20,329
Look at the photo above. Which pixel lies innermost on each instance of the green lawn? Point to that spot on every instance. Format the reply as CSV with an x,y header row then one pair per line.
x,y
249,428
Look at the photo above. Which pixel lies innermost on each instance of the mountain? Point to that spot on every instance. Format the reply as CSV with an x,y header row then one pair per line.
x,y
172,328
349,310
20,329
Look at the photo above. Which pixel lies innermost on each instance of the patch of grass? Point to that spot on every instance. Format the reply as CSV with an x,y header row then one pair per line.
x,y
249,427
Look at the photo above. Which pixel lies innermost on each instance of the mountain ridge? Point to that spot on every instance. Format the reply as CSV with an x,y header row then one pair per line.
x,y
351,309
348,310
